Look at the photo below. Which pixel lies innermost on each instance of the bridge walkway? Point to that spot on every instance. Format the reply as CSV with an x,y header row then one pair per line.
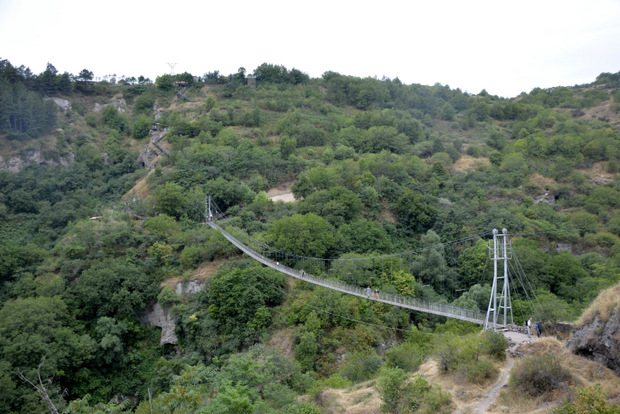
x,y
441,309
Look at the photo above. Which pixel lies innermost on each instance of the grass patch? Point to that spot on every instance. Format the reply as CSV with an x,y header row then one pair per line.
x,y
603,306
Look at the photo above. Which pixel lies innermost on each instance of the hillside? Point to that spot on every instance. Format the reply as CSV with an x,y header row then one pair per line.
x,y
102,196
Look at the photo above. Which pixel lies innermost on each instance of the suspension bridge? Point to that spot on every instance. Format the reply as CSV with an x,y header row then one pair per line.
x,y
498,315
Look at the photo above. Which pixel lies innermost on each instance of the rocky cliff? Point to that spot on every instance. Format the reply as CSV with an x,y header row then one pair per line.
x,y
598,331
599,340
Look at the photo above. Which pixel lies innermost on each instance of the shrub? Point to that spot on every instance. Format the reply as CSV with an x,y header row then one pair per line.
x,y
407,356
495,344
168,297
480,372
436,401
588,400
390,387
539,374
191,256
454,350
360,366
91,120
141,127
417,395
144,103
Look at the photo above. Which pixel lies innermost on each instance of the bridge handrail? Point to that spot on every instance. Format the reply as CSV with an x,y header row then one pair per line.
x,y
442,309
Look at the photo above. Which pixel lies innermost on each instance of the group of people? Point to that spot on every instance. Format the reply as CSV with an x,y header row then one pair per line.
x,y
375,292
530,324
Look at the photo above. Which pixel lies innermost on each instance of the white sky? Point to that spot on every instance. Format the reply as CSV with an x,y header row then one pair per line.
x,y
505,47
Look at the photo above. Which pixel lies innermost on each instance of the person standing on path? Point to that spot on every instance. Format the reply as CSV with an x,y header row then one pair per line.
x,y
529,327
538,328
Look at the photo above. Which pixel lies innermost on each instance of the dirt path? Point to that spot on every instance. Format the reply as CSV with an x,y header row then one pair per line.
x,y
515,339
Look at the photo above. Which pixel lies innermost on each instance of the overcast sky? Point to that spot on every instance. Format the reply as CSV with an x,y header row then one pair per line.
x,y
505,47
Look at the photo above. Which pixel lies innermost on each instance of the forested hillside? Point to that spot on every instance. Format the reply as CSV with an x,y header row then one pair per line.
x,y
92,235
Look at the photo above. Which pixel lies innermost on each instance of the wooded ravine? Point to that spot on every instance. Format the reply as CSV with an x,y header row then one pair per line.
x,y
102,216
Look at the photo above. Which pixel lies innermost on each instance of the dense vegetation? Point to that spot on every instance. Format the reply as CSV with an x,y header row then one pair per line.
x,y
377,166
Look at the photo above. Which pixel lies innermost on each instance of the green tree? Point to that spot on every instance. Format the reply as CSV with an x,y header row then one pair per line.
x,y
113,288
430,267
141,127
34,328
110,346
336,204
473,265
165,82
416,212
307,235
163,226
169,199
144,104
306,350
363,236
287,146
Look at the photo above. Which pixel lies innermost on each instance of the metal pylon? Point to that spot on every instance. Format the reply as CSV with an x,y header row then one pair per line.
x,y
500,299
208,212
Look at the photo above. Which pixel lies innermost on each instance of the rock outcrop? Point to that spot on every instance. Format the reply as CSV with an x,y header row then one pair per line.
x,y
599,340
154,149
120,104
16,162
62,103
158,316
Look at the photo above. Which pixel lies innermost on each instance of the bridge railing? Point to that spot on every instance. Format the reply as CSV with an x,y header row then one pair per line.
x,y
443,309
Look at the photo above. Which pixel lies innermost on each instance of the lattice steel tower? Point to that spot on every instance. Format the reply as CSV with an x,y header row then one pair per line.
x,y
500,299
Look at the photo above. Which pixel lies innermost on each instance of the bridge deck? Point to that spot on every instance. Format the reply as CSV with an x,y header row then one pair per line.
x,y
442,309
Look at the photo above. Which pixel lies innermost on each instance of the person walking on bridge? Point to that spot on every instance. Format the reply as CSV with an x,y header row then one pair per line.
x,y
368,292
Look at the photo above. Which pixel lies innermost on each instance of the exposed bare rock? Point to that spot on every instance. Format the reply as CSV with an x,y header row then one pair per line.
x,y
158,316
564,247
157,112
154,149
16,162
599,340
192,286
62,103
544,198
120,104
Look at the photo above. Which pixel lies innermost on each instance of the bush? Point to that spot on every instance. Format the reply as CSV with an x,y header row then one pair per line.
x,y
454,350
141,127
144,103
191,256
390,387
407,356
495,344
479,372
588,400
539,374
168,297
417,395
360,366
436,401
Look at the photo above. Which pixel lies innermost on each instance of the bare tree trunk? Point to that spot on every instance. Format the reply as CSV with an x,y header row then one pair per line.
x,y
42,390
